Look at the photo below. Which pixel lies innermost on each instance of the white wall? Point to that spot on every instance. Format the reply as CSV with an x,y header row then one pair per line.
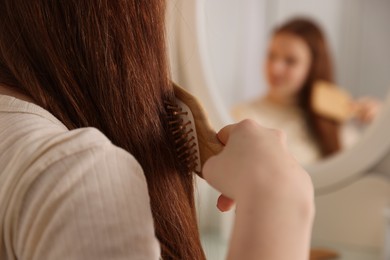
x,y
369,63
236,35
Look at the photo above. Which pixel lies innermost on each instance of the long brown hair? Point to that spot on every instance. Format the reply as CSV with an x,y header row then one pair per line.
x,y
103,64
325,131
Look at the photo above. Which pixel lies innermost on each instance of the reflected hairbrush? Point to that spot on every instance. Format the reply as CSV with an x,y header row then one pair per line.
x,y
332,102
195,139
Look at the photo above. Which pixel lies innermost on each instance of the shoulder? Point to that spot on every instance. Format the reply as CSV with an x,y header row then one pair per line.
x,y
69,194
37,142
50,155
85,155
84,198
88,151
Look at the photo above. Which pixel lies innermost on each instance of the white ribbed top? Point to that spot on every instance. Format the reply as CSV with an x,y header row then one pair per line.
x,y
68,194
291,120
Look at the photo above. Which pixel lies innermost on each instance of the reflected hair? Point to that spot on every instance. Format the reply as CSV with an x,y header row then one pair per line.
x,y
103,64
325,131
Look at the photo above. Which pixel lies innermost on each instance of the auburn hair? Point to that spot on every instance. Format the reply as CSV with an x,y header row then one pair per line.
x,y
103,64
325,131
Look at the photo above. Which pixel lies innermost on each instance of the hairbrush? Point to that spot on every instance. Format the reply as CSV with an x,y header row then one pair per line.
x,y
195,139
330,101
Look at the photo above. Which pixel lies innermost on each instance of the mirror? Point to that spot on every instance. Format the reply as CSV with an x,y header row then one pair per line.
x,y
217,52
259,73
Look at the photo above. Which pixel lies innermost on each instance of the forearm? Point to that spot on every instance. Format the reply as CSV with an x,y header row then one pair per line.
x,y
274,194
265,230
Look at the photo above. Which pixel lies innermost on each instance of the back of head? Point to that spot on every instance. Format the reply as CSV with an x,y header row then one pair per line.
x,y
103,64
325,131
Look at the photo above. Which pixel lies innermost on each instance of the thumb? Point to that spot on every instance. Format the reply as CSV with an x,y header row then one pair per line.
x,y
224,133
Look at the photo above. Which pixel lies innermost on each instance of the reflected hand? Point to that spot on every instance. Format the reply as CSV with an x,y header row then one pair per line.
x,y
366,109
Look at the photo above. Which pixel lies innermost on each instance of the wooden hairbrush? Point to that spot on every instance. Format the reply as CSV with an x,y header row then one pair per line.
x,y
330,101
195,139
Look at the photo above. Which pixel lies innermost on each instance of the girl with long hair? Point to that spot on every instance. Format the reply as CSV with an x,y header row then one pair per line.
x,y
298,57
88,168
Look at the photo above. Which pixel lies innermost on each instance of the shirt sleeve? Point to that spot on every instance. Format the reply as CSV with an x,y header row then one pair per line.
x,y
93,204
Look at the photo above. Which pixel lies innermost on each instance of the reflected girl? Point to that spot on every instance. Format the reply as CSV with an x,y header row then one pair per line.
x,y
298,57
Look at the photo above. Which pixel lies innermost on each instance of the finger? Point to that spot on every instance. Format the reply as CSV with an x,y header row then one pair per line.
x,y
208,170
224,203
371,115
224,133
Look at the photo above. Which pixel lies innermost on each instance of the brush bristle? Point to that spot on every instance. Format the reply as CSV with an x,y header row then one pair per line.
x,y
181,128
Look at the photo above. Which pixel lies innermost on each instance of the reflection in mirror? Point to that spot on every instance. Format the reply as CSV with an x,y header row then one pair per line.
x,y
319,74
319,70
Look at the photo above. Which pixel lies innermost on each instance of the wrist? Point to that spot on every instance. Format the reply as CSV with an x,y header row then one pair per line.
x,y
294,195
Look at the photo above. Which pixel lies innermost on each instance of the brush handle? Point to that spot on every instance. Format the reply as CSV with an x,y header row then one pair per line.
x,y
209,145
